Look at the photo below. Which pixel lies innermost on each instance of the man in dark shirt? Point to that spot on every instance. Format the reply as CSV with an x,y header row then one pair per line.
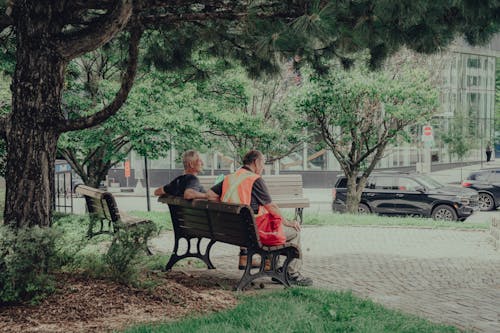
x,y
249,177
187,185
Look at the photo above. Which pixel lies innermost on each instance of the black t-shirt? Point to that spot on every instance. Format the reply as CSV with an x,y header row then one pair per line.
x,y
260,194
182,183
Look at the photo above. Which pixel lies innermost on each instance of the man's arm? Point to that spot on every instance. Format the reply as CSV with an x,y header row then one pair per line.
x,y
193,189
212,196
160,191
215,192
190,193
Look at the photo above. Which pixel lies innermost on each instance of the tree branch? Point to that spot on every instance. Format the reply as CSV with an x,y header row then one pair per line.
x,y
76,43
121,96
5,22
3,125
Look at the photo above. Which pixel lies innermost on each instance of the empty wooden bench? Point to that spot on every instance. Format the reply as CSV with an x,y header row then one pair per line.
x,y
227,223
104,213
286,191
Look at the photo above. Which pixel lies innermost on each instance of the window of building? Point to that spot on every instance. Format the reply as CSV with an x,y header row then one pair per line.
x,y
473,63
472,81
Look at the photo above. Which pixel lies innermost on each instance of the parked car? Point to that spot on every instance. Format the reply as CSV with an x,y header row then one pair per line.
x,y
409,194
487,183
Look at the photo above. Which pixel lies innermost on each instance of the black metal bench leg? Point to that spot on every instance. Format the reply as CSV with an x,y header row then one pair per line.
x,y
174,258
282,276
247,277
299,214
206,257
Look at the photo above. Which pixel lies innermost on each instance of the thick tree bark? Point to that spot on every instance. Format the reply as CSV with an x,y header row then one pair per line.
x,y
30,131
34,125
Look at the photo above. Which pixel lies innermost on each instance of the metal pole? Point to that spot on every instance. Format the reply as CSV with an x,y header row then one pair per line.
x,y
481,139
146,176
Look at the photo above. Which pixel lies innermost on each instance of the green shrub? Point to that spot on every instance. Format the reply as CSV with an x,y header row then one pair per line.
x,y
27,256
122,254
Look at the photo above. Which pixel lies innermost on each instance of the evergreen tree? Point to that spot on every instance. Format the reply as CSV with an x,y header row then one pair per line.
x,y
50,33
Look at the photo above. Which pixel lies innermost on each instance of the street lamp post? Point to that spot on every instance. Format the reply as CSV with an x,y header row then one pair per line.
x,y
146,180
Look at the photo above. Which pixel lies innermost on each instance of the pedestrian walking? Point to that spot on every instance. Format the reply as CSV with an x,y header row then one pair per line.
x,y
488,152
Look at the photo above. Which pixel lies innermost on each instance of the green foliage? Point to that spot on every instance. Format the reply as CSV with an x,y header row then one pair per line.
x,y
303,310
27,259
122,254
162,220
243,114
358,112
156,116
457,139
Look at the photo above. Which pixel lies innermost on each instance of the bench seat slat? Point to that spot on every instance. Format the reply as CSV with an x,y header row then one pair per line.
x,y
195,225
194,232
233,240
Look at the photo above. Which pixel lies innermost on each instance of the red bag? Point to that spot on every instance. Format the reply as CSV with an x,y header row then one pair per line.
x,y
270,230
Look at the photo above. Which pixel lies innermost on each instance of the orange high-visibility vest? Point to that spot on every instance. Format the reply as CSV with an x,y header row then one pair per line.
x,y
237,188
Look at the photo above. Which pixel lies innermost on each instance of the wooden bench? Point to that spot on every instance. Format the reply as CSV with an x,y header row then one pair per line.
x,y
102,208
286,191
227,223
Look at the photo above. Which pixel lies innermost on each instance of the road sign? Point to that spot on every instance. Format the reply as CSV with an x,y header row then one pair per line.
x,y
127,168
427,134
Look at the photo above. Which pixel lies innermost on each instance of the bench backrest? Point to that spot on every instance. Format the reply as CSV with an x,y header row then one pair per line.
x,y
100,203
223,222
289,186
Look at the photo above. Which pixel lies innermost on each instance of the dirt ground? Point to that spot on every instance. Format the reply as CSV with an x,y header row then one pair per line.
x,y
84,304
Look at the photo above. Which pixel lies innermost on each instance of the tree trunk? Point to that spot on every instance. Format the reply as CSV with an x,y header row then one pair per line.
x,y
353,195
31,129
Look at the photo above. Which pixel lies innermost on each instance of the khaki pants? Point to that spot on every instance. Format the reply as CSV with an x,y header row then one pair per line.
x,y
293,236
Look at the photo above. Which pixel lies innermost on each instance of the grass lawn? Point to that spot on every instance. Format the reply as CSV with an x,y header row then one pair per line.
x,y
340,219
302,310
162,219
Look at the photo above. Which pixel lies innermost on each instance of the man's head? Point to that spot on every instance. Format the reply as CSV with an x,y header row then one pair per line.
x,y
255,161
192,162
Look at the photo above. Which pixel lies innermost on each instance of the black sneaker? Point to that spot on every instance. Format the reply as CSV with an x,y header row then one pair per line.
x,y
299,280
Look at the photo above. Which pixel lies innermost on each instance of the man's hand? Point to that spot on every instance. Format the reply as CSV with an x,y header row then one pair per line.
x,y
212,196
292,224
160,191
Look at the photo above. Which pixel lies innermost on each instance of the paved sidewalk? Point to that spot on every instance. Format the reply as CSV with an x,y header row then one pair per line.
x,y
447,276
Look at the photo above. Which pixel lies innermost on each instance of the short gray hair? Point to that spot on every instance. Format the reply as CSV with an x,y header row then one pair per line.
x,y
188,157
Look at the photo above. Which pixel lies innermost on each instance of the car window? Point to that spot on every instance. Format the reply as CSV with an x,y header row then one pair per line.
x,y
479,176
385,183
428,182
407,184
495,177
341,182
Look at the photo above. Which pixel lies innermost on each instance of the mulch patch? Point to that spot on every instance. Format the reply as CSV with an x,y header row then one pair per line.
x,y
84,304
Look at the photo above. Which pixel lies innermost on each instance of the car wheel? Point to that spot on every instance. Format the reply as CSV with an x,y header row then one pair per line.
x,y
363,209
444,213
486,201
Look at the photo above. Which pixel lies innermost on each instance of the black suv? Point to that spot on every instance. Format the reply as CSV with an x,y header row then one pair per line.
x,y
487,183
409,194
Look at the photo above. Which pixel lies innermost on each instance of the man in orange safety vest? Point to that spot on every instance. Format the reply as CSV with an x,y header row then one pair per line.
x,y
246,186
